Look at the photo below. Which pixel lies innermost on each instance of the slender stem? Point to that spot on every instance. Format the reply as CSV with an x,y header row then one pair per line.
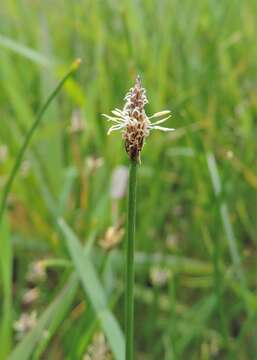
x,y
129,280
28,137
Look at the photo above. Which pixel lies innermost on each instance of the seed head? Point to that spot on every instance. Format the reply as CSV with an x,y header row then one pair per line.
x,y
133,121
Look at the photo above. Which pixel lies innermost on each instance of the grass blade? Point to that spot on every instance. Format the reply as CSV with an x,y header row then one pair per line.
x,y
24,51
30,133
94,291
232,244
47,323
6,273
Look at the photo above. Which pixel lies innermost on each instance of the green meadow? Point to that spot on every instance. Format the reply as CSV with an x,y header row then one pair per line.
x,y
63,224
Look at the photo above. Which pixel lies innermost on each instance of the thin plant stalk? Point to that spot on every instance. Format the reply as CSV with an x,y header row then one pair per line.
x,y
135,126
29,135
129,276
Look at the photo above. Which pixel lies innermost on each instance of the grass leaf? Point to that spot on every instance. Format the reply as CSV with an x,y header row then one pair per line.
x,y
24,51
6,275
29,135
94,291
47,323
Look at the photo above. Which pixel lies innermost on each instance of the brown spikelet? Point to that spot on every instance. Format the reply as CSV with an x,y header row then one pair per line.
x,y
136,132
133,121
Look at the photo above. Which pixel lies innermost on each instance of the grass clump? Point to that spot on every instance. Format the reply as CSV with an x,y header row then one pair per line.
x,y
195,268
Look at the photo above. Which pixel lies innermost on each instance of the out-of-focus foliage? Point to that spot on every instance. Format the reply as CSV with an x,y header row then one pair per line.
x,y
196,219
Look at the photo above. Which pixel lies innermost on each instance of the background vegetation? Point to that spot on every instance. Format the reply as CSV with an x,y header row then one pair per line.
x,y
196,220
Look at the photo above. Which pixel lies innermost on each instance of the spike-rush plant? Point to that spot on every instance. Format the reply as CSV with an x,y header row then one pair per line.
x,y
135,126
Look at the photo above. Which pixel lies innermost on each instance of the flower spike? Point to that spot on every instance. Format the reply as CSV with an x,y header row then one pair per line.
x,y
133,121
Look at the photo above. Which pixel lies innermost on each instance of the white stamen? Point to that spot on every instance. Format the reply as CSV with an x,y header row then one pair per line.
x,y
160,128
114,128
160,113
161,121
111,118
117,113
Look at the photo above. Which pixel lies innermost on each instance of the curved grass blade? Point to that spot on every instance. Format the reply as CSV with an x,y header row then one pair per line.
x,y
94,291
30,133
47,323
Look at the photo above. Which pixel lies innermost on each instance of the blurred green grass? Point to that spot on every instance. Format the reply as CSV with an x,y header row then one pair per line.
x,y
196,221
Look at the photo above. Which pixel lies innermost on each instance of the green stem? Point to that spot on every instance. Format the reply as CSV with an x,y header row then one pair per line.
x,y
129,280
31,131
